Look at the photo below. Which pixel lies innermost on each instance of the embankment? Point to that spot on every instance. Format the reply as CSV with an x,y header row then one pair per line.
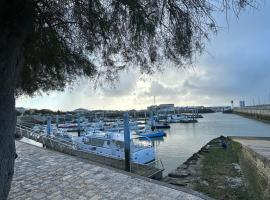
x,y
261,113
255,163
234,172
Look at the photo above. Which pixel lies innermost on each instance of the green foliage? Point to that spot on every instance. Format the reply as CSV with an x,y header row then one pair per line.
x,y
97,39
43,112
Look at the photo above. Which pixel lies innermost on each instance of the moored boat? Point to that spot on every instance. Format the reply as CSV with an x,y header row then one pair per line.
x,y
112,144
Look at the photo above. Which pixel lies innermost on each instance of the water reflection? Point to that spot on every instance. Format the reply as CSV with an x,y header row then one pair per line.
x,y
183,140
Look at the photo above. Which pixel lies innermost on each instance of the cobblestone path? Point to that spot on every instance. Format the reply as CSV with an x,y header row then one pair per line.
x,y
45,174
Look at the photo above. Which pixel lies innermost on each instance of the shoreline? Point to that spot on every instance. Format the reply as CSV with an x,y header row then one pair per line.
x,y
214,171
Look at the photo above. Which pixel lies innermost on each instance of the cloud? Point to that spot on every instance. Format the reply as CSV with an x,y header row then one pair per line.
x,y
124,86
236,65
159,90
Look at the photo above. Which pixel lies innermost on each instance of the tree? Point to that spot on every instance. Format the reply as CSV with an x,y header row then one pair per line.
x,y
46,44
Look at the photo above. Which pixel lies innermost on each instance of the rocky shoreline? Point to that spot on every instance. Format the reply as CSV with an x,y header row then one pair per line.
x,y
214,170
189,172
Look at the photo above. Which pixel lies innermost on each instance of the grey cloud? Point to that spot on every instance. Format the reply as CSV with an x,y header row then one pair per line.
x,y
236,67
124,86
160,90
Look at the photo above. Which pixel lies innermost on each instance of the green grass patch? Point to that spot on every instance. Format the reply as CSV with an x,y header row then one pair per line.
x,y
217,168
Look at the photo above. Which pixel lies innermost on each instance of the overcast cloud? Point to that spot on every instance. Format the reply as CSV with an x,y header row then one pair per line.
x,y
236,65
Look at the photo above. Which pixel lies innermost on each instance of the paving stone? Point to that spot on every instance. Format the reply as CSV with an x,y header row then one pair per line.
x,y
45,174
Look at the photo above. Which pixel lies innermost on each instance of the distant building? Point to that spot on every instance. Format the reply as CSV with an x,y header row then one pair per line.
x,y
166,107
152,108
161,108
242,104
219,108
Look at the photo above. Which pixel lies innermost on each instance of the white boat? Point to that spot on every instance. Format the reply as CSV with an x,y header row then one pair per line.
x,y
118,126
112,145
176,118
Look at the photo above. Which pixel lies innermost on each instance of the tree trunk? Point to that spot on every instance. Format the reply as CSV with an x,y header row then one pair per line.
x,y
14,25
7,149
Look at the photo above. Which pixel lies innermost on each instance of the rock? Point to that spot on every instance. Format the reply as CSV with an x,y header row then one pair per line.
x,y
179,174
221,187
234,182
236,167
205,183
179,184
182,167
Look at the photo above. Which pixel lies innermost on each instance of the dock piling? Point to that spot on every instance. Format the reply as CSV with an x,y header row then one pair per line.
x,y
127,142
49,119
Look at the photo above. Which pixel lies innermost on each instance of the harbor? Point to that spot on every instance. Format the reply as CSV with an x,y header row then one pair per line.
x,y
182,139
138,100
113,143
175,158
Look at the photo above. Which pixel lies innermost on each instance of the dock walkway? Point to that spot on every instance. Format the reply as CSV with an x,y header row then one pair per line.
x,y
260,145
46,174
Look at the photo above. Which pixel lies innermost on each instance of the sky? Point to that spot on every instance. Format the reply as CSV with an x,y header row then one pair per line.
x,y
234,66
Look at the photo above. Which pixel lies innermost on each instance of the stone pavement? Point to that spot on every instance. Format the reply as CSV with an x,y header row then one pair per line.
x,y
260,145
45,174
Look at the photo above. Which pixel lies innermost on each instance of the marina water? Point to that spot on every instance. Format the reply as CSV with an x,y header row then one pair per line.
x,y
183,140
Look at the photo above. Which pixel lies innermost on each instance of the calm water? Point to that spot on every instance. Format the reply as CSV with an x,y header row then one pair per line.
x,y
185,139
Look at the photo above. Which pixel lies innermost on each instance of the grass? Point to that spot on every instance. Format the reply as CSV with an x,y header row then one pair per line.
x,y
216,168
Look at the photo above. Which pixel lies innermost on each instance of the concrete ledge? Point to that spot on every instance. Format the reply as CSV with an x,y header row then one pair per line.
x,y
249,138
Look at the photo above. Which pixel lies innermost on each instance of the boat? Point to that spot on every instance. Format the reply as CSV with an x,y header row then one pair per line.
x,y
161,125
118,126
150,132
62,134
111,144
153,134
176,118
227,111
195,116
155,124
188,120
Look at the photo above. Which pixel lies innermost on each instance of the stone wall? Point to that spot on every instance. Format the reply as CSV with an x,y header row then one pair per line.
x,y
256,169
255,112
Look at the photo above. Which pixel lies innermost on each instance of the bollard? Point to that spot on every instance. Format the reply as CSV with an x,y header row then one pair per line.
x,y
152,119
57,121
127,142
49,125
79,125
